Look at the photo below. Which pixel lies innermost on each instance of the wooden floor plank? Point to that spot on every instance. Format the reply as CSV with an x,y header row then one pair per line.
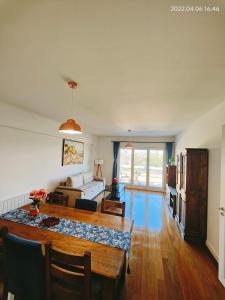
x,y
163,266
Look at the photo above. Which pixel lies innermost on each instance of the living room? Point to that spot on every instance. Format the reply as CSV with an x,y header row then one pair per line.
x,y
147,77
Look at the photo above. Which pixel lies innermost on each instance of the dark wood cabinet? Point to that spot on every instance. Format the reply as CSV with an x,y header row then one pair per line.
x,y
192,190
171,175
171,197
171,188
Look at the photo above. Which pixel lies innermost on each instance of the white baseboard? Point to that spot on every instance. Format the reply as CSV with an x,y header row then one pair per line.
x,y
212,250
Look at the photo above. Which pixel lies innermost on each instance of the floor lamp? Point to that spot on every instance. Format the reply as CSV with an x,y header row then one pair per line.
x,y
99,163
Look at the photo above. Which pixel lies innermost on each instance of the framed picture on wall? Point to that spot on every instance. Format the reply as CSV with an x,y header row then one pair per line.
x,y
72,152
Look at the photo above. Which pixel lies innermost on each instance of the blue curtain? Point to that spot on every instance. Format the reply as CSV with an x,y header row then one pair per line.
x,y
169,151
116,146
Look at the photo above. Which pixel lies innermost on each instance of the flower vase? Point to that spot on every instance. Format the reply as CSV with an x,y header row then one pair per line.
x,y
34,211
115,194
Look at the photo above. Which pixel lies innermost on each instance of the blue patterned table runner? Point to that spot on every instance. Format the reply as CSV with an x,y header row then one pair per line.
x,y
94,233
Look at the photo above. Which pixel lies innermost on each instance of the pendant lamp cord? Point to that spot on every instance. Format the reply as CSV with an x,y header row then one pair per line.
x,y
72,105
73,85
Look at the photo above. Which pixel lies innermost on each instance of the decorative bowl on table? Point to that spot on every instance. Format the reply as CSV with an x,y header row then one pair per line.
x,y
49,222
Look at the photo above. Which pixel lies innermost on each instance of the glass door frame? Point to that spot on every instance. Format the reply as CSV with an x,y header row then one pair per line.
x,y
148,148
133,167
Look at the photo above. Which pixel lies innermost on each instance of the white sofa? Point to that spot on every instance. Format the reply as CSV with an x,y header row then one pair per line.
x,y
82,186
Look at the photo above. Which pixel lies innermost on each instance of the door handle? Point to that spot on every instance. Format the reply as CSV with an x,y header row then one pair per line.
x,y
222,209
222,214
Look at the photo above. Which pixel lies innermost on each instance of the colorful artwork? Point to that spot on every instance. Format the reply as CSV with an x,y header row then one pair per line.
x,y
73,152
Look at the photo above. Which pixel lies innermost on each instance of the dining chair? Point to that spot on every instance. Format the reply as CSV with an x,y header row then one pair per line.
x,y
70,276
113,207
25,268
86,204
57,198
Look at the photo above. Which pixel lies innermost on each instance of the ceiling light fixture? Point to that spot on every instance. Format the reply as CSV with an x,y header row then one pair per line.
x,y
70,126
129,145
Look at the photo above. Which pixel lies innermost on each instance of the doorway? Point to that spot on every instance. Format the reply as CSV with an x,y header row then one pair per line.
x,y
142,167
222,214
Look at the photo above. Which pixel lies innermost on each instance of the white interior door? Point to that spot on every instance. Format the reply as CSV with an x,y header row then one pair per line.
x,y
222,214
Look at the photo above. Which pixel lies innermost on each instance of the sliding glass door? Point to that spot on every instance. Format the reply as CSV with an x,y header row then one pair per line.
x,y
156,168
125,165
142,167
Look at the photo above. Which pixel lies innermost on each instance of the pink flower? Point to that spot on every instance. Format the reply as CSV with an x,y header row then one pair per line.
x,y
39,194
43,192
115,180
32,193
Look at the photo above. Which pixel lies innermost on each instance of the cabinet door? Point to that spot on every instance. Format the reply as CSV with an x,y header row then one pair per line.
x,y
180,209
183,214
182,171
196,194
178,172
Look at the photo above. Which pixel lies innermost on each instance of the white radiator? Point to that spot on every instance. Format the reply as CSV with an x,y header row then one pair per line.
x,y
15,202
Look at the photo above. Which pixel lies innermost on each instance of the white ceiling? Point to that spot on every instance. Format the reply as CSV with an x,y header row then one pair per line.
x,y
139,66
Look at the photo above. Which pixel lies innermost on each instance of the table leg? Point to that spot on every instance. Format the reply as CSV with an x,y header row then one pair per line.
x,y
111,288
108,289
124,270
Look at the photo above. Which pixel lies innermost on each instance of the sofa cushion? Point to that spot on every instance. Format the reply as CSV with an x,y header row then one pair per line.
x,y
92,189
76,181
88,177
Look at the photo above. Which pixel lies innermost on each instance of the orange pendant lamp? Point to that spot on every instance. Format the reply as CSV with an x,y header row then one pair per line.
x,y
70,126
129,145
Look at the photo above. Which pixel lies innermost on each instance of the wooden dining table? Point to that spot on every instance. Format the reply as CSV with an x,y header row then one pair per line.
x,y
106,261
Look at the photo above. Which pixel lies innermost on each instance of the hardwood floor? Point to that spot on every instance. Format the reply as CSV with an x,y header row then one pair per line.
x,y
163,266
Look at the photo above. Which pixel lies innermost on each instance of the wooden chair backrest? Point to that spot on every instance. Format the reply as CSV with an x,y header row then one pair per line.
x,y
113,207
70,275
45,248
57,199
86,204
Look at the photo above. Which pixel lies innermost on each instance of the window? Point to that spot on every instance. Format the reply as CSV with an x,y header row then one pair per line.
x,y
125,165
142,167
156,168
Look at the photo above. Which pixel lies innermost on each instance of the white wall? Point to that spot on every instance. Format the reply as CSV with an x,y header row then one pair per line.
x,y
104,150
206,132
31,152
221,217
